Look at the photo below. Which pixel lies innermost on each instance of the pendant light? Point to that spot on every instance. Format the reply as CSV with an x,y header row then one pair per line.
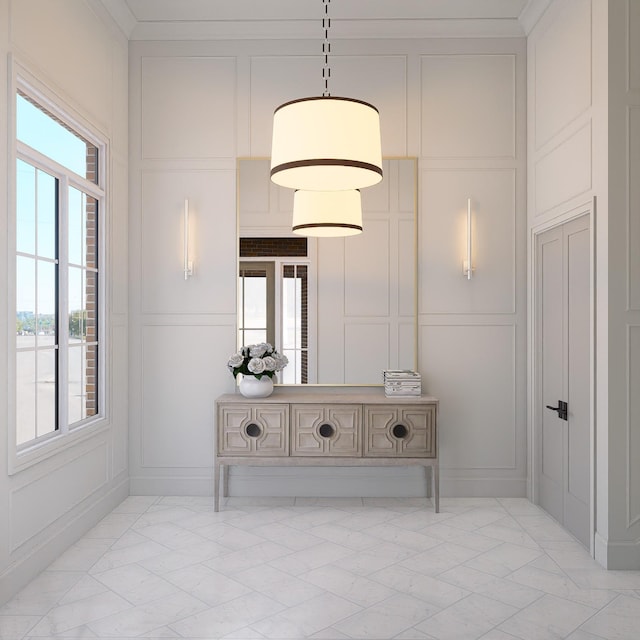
x,y
326,214
326,143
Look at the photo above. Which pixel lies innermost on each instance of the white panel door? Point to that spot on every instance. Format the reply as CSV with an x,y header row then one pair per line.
x,y
563,359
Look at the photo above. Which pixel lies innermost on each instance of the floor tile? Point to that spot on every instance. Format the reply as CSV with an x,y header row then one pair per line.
x,y
225,618
146,617
308,559
386,619
467,619
42,593
136,584
329,569
345,584
307,618
375,558
562,586
619,620
500,589
282,586
82,555
436,592
409,539
16,627
80,612
549,617
503,559
444,556
207,585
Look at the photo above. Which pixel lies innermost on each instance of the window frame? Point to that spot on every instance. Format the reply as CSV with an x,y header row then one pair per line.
x,y
27,454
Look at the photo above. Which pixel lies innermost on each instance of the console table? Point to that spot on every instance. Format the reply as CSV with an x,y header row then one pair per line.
x,y
325,428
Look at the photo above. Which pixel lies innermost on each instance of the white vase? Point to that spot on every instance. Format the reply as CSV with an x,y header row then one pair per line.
x,y
251,387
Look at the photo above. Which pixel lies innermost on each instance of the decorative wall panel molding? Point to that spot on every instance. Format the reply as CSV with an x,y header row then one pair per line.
x,y
119,385
633,426
565,172
188,107
180,369
53,493
562,68
211,216
633,208
459,92
633,44
442,243
472,370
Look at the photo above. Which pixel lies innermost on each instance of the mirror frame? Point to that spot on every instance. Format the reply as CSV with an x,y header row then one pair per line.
x,y
240,159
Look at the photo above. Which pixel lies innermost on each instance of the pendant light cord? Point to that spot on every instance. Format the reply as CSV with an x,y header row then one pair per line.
x,y
326,48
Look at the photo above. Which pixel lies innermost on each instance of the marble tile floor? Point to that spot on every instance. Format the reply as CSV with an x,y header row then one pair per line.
x,y
328,569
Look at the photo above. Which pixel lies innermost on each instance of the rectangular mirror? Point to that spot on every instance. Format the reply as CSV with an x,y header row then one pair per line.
x,y
341,309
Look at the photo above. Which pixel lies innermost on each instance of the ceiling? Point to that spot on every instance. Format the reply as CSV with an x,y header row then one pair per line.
x,y
254,19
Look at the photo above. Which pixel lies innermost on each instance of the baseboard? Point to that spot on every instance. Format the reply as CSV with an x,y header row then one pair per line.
x,y
367,482
486,487
21,572
624,556
170,486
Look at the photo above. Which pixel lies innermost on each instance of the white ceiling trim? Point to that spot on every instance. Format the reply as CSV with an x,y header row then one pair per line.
x,y
310,29
185,19
532,13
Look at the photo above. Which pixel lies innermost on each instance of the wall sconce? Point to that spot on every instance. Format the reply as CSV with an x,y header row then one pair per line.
x,y
188,264
467,265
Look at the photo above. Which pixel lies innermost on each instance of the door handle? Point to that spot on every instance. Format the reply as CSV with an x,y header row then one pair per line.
x,y
562,409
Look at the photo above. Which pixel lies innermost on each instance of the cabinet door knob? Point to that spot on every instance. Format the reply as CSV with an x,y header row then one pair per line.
x,y
326,430
400,431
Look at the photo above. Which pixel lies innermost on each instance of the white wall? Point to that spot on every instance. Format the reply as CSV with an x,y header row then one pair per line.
x,y
618,536
74,51
459,106
583,140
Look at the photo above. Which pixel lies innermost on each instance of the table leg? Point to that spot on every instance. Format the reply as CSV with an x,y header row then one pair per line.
x,y
216,485
225,480
435,477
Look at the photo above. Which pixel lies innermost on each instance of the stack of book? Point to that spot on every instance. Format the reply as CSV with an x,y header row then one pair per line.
x,y
402,382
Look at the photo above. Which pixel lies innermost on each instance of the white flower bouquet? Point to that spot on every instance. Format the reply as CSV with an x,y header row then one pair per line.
x,y
257,360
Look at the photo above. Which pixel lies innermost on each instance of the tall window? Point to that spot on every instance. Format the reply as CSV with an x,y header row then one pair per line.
x,y
59,195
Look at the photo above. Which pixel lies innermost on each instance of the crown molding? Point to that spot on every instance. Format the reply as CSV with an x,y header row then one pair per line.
x,y
120,14
354,23
532,13
343,29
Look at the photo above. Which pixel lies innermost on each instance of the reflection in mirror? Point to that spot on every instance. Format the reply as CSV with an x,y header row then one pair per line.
x,y
341,309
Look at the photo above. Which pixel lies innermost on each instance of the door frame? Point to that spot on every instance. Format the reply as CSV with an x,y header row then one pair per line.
x,y
589,209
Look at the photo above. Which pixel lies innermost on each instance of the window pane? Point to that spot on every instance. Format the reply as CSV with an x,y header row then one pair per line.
x,y
76,226
46,390
290,313
76,305
52,138
26,300
25,396
25,208
83,397
255,302
76,383
46,214
46,301
254,336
